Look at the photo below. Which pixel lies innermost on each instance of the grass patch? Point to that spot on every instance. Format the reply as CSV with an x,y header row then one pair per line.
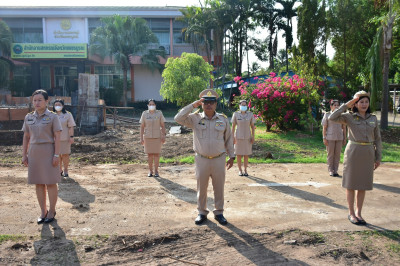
x,y
302,147
4,238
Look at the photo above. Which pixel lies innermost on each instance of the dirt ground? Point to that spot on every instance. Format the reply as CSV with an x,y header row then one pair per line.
x,y
108,214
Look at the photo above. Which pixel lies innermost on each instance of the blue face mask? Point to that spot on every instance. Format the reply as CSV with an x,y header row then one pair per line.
x,y
243,108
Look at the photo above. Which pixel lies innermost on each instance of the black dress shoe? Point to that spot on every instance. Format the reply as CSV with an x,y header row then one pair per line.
x,y
336,175
49,220
200,219
40,220
221,219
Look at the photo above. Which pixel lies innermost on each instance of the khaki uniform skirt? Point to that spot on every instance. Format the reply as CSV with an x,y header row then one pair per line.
x,y
358,167
65,147
40,167
152,145
243,147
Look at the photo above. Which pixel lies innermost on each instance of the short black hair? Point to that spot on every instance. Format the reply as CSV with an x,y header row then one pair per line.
x,y
63,105
355,109
152,100
43,92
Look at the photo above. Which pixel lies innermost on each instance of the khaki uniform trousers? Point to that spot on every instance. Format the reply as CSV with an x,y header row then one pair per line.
x,y
214,168
334,150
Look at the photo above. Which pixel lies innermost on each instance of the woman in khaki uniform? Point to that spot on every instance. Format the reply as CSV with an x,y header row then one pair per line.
x,y
152,135
67,134
363,152
243,139
40,152
334,136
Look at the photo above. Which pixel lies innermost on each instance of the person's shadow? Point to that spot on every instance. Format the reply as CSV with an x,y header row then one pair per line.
x,y
181,192
54,248
250,247
298,193
71,191
387,188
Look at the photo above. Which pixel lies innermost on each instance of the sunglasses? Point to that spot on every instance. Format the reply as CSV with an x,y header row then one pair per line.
x,y
210,102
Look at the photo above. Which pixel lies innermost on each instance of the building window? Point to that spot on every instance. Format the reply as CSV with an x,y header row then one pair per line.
x,y
108,74
26,30
21,84
93,23
179,35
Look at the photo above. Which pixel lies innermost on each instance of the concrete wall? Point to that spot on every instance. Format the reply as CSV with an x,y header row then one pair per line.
x,y
147,84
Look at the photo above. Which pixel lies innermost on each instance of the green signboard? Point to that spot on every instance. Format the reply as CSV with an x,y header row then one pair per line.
x,y
48,50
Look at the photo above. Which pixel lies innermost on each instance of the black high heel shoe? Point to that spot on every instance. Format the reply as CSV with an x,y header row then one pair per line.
x,y
49,220
40,220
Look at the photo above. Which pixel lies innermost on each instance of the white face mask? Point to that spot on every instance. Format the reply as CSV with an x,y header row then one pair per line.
x,y
152,107
243,108
58,108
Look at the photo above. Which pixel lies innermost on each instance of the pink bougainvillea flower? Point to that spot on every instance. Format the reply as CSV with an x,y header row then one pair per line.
x,y
272,74
255,78
236,79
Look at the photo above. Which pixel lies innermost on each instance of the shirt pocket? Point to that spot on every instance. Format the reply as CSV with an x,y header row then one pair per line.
x,y
220,130
200,131
371,130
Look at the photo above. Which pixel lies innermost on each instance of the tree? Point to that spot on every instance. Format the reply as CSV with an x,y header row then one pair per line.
x,y
288,12
268,16
6,38
387,31
308,28
121,37
184,78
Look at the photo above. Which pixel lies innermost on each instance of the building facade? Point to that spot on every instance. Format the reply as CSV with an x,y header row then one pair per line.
x,y
50,47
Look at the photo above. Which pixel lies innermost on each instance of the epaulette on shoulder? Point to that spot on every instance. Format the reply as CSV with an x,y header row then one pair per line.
x,y
222,114
53,112
197,111
31,113
68,112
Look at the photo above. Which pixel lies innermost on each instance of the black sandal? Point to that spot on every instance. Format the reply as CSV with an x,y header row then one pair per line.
x,y
361,221
149,174
356,222
156,175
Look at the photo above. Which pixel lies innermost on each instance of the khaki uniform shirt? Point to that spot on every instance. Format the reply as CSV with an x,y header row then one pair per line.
x,y
211,137
243,122
41,128
152,124
360,129
334,131
67,121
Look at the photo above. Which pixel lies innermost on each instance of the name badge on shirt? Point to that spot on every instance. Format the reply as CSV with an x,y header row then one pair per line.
x,y
372,123
46,119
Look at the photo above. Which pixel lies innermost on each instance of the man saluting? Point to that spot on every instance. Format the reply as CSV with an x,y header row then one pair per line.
x,y
212,140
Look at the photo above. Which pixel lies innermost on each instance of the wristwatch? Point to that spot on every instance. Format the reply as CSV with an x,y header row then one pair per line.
x,y
71,136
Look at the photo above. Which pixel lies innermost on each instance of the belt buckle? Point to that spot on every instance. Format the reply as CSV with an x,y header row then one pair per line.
x,y
209,157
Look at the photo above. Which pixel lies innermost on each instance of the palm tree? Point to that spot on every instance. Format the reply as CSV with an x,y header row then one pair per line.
x,y
121,37
6,38
288,12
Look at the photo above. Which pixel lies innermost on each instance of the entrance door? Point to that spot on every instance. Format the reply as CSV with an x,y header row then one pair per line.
x,y
66,78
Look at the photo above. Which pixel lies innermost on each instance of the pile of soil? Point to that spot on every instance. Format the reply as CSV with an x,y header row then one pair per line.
x,y
122,145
